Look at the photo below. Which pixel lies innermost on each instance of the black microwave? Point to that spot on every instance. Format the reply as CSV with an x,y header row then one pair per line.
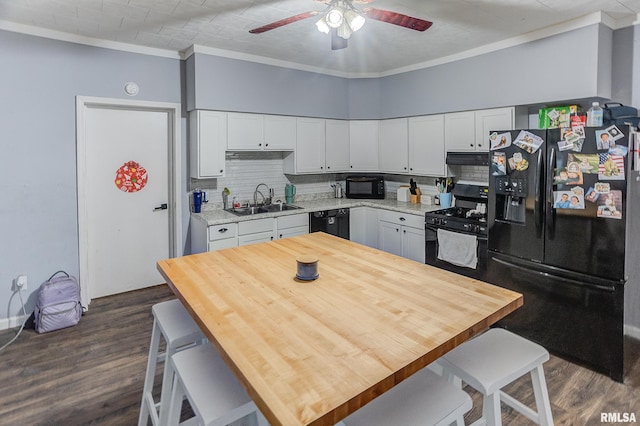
x,y
364,187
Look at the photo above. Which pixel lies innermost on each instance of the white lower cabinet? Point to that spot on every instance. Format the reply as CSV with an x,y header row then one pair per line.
x,y
402,234
256,231
292,225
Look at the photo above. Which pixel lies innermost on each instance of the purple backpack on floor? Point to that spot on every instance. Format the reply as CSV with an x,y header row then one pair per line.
x,y
58,304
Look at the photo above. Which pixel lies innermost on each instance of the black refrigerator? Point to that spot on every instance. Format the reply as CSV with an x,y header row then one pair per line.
x,y
557,229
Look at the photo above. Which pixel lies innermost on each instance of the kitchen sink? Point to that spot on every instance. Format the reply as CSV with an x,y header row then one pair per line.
x,y
271,208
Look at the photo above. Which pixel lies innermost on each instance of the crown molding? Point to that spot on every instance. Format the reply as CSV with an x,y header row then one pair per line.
x,y
89,41
581,22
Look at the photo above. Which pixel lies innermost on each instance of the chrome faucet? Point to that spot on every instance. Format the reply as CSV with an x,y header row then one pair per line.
x,y
265,200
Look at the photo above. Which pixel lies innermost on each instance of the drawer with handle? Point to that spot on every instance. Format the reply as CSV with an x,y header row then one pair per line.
x,y
220,232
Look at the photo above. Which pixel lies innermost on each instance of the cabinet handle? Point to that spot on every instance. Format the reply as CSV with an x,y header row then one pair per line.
x,y
223,230
327,167
266,144
397,230
259,144
321,167
471,145
479,145
280,235
402,218
272,238
405,168
404,231
411,168
221,170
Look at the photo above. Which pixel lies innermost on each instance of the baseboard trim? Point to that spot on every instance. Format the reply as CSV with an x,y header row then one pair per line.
x,y
631,331
7,323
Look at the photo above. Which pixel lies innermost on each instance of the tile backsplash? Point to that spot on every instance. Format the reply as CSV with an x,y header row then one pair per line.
x,y
245,170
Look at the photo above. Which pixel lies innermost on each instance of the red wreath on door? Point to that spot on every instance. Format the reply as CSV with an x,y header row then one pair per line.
x,y
131,177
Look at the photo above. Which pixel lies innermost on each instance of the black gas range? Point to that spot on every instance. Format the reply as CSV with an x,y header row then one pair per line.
x,y
465,229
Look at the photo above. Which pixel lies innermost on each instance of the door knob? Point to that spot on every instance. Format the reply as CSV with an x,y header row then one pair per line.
x,y
162,206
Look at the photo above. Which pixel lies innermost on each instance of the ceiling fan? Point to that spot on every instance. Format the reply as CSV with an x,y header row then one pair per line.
x,y
341,19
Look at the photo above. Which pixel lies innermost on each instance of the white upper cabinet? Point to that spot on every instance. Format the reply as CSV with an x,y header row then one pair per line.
x,y
279,133
393,148
309,156
460,131
363,145
207,143
336,146
426,145
492,119
257,132
469,130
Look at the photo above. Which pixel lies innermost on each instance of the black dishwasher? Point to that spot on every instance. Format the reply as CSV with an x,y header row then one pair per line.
x,y
334,222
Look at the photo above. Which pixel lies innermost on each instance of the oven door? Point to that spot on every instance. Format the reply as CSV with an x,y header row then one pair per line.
x,y
431,255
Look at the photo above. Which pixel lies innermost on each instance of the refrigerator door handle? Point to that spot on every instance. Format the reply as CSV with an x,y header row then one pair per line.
x,y
538,202
550,213
581,284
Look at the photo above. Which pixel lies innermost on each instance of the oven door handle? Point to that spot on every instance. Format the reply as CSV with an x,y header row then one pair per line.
x,y
435,229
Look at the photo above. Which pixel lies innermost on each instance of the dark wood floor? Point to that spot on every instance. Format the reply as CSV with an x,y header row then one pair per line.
x,y
92,374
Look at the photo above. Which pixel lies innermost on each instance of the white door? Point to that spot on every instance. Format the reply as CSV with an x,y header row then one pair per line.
x,y
124,226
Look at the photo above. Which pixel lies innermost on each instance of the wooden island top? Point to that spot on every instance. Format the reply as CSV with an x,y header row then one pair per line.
x,y
312,352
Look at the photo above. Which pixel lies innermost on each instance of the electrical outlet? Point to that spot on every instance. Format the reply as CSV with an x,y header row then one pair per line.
x,y
20,283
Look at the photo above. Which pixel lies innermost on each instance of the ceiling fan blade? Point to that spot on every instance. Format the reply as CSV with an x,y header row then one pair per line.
x,y
285,21
397,19
337,42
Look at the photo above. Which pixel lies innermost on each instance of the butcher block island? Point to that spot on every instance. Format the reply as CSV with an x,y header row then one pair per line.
x,y
312,352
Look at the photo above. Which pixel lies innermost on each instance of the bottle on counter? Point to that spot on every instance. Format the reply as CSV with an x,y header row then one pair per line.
x,y
236,203
594,115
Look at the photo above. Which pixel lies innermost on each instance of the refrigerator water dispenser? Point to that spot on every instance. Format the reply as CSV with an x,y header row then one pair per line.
x,y
511,195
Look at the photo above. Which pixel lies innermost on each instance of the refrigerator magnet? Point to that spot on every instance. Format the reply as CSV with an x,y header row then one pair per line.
x,y
610,205
564,145
498,141
528,141
587,163
614,132
603,139
602,187
619,150
498,164
611,167
564,176
592,195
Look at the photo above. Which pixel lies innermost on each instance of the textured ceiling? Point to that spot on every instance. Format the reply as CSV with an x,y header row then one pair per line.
x,y
378,48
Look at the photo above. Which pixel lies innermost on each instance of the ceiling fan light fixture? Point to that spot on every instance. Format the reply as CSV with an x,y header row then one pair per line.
x,y
354,20
322,25
335,17
344,31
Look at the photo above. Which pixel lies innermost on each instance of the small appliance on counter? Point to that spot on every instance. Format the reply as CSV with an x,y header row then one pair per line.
x,y
365,187
337,190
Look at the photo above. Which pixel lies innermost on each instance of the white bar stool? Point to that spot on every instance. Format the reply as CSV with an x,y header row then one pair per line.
x,y
171,321
423,399
214,393
491,361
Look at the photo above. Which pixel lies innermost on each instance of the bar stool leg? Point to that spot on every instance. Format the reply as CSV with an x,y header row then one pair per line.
x,y
167,383
147,407
491,410
175,405
541,394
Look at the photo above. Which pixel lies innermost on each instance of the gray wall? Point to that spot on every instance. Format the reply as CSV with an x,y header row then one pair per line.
x,y
40,80
231,85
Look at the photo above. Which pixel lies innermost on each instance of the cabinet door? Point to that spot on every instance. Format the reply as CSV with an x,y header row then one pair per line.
x,y
222,244
489,120
363,145
293,232
413,244
336,146
389,237
244,132
310,146
260,237
393,148
460,131
279,133
426,146
207,143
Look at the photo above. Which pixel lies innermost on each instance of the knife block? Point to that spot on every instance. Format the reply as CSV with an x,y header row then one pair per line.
x,y
415,199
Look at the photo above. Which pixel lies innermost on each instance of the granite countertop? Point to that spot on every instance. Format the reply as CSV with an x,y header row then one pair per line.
x,y
219,216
